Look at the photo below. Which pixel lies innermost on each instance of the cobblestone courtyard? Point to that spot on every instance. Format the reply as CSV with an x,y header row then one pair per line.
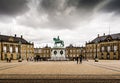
x,y
61,69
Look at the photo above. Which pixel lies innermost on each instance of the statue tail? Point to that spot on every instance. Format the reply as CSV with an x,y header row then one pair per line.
x,y
63,43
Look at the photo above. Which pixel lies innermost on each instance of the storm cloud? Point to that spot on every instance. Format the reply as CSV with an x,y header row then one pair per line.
x,y
74,20
73,8
84,3
112,6
62,5
59,14
13,7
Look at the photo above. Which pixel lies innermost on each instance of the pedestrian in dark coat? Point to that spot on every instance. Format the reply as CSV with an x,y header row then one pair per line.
x,y
77,60
7,59
80,59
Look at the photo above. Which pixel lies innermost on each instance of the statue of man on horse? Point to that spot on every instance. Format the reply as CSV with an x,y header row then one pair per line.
x,y
58,41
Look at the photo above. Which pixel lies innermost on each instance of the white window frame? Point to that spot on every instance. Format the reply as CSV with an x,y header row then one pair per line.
x,y
103,49
115,48
108,48
5,49
11,49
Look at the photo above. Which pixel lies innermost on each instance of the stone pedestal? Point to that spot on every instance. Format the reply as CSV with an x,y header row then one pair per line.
x,y
58,53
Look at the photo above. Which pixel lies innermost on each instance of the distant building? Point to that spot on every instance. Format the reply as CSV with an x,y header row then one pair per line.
x,y
104,47
15,47
71,52
43,53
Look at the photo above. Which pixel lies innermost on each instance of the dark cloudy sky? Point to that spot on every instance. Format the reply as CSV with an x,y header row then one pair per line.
x,y
75,21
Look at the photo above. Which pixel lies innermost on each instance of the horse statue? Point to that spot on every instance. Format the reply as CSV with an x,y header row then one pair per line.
x,y
57,41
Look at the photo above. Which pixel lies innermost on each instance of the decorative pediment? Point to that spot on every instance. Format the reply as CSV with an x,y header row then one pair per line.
x,y
11,39
108,38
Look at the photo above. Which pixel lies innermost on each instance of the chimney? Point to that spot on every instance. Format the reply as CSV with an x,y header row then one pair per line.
x,y
15,35
104,34
21,36
98,35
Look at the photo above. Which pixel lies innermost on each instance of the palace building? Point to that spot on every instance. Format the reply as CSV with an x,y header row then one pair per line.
x,y
104,47
73,52
43,53
70,52
15,47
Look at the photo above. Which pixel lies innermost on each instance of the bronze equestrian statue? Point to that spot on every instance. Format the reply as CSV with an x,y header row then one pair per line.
x,y
57,41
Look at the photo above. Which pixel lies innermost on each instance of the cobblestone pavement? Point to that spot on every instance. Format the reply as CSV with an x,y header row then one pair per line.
x,y
60,70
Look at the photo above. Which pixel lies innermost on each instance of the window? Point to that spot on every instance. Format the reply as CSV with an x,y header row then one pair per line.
x,y
16,49
98,49
90,50
39,51
108,56
47,51
11,49
73,55
103,49
108,48
73,51
114,56
24,51
115,48
5,49
44,51
28,51
28,46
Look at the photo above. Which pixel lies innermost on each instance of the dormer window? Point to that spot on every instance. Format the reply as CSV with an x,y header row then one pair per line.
x,y
109,38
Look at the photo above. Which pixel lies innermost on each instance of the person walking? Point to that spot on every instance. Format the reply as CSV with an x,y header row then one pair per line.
x,y
77,60
27,59
81,59
7,59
